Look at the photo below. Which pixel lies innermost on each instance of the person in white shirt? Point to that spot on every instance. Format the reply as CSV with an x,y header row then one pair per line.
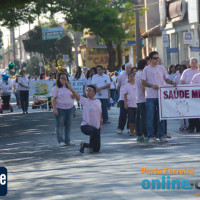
x,y
16,91
5,88
35,77
80,76
102,83
90,74
24,91
116,94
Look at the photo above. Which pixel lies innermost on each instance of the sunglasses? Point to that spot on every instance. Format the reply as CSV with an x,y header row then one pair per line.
x,y
155,58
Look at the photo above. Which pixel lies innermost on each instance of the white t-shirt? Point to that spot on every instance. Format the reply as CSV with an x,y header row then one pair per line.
x,y
89,81
6,87
24,81
82,78
101,81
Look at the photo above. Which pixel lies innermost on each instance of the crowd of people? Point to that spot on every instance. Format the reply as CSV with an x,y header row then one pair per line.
x,y
136,91
133,89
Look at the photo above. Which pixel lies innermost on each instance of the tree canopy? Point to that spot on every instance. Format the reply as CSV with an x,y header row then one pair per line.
x,y
104,18
51,49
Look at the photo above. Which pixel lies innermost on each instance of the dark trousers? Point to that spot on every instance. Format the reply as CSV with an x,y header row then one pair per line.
x,y
194,123
94,133
6,101
24,95
49,103
122,116
141,120
112,93
104,107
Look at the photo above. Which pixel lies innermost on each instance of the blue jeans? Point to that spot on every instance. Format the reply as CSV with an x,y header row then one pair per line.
x,y
141,120
116,96
104,107
151,106
63,125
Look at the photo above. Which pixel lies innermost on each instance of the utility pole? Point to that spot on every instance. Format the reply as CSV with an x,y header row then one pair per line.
x,y
146,27
20,48
76,48
137,32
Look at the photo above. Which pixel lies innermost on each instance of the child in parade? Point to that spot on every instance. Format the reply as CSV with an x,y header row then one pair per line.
x,y
5,88
130,101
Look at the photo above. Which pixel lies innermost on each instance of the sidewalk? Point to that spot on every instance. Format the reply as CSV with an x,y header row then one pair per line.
x,y
39,169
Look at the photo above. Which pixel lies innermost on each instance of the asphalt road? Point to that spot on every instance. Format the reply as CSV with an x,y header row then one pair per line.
x,y
39,169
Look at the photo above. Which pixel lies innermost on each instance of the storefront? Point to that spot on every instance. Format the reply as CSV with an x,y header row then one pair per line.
x,y
180,30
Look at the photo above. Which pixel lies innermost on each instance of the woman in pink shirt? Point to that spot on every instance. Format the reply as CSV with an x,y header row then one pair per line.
x,y
130,101
92,118
62,101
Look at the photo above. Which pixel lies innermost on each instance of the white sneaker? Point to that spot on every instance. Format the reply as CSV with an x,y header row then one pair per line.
x,y
61,144
119,131
162,139
151,140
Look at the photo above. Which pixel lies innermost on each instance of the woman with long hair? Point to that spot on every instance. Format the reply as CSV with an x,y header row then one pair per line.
x,y
62,101
16,91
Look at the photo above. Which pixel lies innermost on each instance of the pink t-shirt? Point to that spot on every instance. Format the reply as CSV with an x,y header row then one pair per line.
x,y
63,96
122,80
196,79
91,112
155,76
177,78
130,90
140,96
188,74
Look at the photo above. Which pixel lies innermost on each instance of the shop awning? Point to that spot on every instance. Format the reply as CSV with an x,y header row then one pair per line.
x,y
155,31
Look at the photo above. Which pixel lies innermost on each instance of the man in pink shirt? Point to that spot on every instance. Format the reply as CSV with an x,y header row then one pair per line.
x,y
186,78
122,80
154,76
140,123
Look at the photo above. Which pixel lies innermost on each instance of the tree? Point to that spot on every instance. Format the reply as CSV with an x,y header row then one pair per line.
x,y
102,21
51,49
33,66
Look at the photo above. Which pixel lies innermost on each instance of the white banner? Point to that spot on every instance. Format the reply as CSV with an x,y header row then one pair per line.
x,y
179,102
42,87
78,86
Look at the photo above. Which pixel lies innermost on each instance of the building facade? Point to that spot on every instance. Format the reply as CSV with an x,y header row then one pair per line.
x,y
179,21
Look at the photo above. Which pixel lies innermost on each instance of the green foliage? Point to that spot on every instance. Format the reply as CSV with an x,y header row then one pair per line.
x,y
49,48
13,3
33,66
